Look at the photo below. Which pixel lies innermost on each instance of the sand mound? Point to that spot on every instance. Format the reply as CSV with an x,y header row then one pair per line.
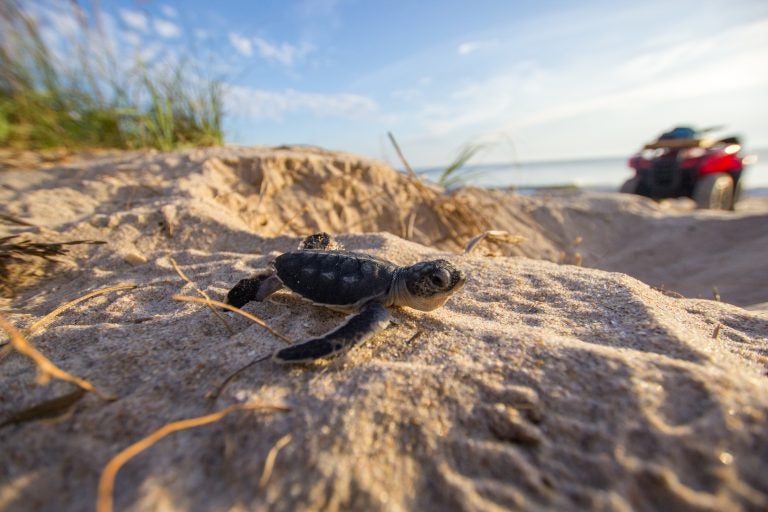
x,y
205,197
538,386
668,245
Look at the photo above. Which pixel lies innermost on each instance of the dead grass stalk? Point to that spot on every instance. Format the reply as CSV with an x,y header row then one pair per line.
x,y
105,498
204,295
185,298
46,369
269,463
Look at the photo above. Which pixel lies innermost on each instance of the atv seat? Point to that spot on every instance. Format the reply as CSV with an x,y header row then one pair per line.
x,y
679,143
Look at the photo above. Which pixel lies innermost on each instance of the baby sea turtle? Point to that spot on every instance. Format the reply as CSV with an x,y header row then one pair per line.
x,y
350,282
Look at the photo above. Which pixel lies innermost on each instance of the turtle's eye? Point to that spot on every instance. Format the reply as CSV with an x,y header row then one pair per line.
x,y
440,278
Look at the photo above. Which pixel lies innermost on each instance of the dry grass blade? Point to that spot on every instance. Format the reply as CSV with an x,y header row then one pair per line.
x,y
534,306
45,250
47,319
668,293
185,298
411,226
402,156
269,463
496,236
414,337
105,499
455,216
47,409
213,395
46,369
203,294
14,220
20,256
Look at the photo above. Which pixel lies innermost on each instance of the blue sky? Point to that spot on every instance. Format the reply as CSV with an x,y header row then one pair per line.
x,y
537,80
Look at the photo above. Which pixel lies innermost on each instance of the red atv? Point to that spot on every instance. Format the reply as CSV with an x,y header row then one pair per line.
x,y
684,163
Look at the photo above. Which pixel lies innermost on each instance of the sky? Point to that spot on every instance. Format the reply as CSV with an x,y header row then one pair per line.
x,y
533,80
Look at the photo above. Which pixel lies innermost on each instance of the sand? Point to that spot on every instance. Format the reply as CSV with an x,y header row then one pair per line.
x,y
541,385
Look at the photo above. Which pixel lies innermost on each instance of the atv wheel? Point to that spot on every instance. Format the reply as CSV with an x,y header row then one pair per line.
x,y
714,191
736,195
630,186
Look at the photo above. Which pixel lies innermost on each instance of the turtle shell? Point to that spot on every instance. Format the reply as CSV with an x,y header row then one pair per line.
x,y
335,278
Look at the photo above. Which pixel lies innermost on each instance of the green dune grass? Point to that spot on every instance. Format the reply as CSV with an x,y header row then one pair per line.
x,y
80,95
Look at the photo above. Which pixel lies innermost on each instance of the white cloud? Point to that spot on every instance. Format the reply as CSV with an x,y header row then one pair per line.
x,y
468,47
61,27
407,95
478,104
413,93
132,38
150,52
134,19
168,11
241,44
166,29
284,53
692,69
259,103
701,53
64,23
528,95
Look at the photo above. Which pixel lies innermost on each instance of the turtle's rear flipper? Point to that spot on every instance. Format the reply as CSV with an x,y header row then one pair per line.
x,y
253,288
358,328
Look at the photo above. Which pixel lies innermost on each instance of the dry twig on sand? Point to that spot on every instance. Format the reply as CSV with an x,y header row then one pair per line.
x,y
269,463
496,236
259,321
51,408
215,393
13,220
46,369
204,295
47,319
105,498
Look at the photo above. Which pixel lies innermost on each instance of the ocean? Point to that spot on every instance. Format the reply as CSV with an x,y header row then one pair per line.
x,y
591,174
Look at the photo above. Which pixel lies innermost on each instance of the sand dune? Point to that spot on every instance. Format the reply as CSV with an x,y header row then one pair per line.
x,y
540,386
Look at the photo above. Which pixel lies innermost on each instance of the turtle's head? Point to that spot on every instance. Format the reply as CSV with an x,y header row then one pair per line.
x,y
427,285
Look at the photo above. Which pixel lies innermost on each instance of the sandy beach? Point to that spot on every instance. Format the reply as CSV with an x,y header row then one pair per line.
x,y
585,366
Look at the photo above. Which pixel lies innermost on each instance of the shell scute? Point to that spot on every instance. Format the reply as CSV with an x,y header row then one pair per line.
x,y
335,277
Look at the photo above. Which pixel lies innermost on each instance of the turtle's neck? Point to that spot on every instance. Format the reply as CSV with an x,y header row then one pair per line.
x,y
398,292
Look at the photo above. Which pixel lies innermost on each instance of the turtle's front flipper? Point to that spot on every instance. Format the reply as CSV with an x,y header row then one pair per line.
x,y
253,288
319,241
358,328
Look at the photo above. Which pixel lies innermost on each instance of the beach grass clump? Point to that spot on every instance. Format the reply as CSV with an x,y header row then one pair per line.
x,y
82,90
22,260
457,173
